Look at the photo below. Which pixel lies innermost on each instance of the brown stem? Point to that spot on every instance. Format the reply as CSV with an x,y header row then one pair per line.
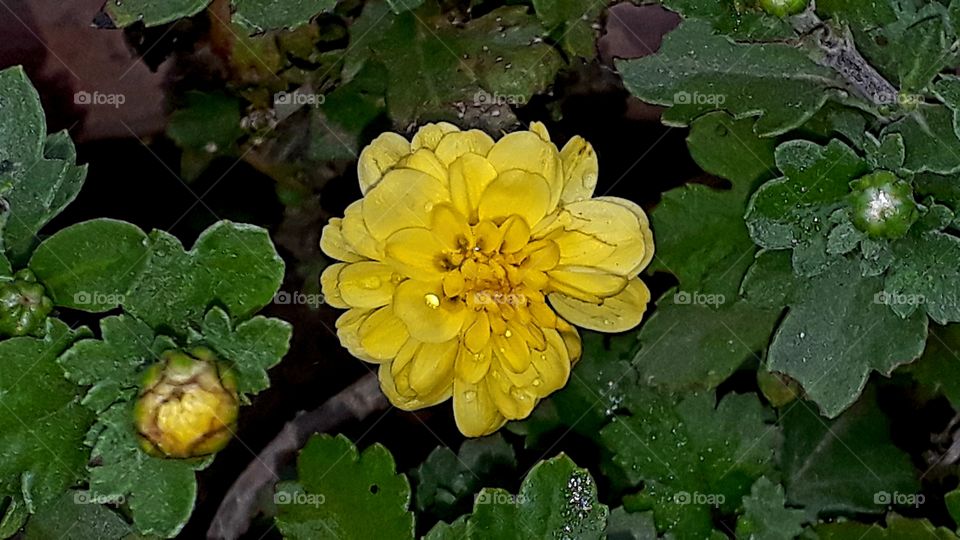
x,y
239,506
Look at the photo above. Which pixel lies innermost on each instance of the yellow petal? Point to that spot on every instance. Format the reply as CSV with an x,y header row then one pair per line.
x,y
432,366
477,336
453,283
580,170
474,410
366,284
429,316
334,245
454,145
540,129
469,177
552,364
330,286
526,151
426,161
357,235
515,193
472,367
348,332
489,237
379,157
605,235
585,283
404,198
516,235
513,403
416,253
413,401
542,314
644,222
450,227
618,313
571,338
430,135
382,334
512,350
542,255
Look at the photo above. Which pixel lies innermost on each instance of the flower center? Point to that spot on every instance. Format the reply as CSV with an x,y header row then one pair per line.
x,y
494,268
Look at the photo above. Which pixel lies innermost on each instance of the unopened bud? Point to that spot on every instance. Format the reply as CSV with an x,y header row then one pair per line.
x,y
24,305
187,405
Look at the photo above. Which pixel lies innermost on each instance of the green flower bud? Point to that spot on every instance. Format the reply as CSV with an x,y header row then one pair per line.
x,y
187,405
23,305
783,8
883,205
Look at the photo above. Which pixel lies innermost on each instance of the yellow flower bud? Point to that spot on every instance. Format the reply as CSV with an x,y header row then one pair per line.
x,y
187,406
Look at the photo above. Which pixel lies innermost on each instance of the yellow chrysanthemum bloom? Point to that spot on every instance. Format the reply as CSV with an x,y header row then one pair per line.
x,y
467,260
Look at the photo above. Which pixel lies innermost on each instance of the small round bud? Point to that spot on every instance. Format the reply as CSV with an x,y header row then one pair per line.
x,y
883,205
24,305
187,405
783,8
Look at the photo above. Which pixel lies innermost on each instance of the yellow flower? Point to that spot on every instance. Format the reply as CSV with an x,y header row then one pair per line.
x,y
467,260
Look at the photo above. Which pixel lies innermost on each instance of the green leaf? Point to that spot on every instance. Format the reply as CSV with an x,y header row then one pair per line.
x,y
938,370
952,502
90,265
112,364
843,465
399,6
932,143
834,119
925,274
623,525
446,482
346,112
160,493
735,19
208,122
692,456
77,516
6,270
794,211
261,15
343,493
22,128
252,348
449,531
231,265
150,13
836,331
570,23
598,385
765,516
905,41
556,499
42,424
898,528
60,146
695,340
39,185
701,236
435,68
943,188
696,72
